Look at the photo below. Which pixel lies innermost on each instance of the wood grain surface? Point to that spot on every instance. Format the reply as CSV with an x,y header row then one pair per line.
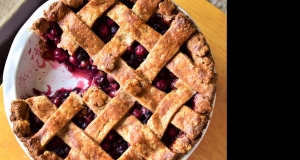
x,y
213,24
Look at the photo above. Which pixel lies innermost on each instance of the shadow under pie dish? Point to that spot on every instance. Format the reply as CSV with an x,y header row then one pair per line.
x,y
111,79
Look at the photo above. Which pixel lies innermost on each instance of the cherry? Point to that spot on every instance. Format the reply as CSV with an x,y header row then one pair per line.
x,y
137,113
60,55
140,50
106,145
162,85
110,22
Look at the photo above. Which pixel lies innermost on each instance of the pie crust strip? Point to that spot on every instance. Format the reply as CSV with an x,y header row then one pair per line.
x,y
88,14
143,140
110,116
70,134
168,107
58,120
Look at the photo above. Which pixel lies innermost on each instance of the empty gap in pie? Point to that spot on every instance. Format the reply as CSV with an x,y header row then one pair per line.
x,y
58,146
105,28
128,3
114,144
171,134
140,112
135,54
83,118
165,80
35,123
158,23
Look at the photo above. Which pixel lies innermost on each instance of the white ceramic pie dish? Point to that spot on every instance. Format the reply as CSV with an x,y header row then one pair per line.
x,y
25,69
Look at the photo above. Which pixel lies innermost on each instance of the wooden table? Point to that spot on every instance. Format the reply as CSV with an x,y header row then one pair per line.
x,y
213,24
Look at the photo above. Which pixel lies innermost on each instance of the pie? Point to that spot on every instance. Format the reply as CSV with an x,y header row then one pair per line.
x,y
152,82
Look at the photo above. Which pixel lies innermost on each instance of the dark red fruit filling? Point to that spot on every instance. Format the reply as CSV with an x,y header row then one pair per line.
x,y
84,118
59,147
53,35
105,28
59,96
106,83
140,112
135,55
171,134
158,23
165,80
35,123
114,144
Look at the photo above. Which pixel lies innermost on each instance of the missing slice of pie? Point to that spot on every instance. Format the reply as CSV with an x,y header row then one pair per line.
x,y
151,78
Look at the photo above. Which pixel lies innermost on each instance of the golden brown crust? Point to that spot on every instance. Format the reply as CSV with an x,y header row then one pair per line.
x,y
197,45
202,105
49,156
145,8
189,121
110,116
20,118
21,128
40,26
71,106
72,3
95,99
181,145
88,14
19,110
158,57
143,140
70,134
167,108
56,11
133,86
166,7
130,154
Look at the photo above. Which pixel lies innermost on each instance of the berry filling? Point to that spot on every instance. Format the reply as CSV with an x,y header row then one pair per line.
x,y
84,118
135,55
158,23
140,112
105,28
114,144
59,147
165,80
35,123
171,134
